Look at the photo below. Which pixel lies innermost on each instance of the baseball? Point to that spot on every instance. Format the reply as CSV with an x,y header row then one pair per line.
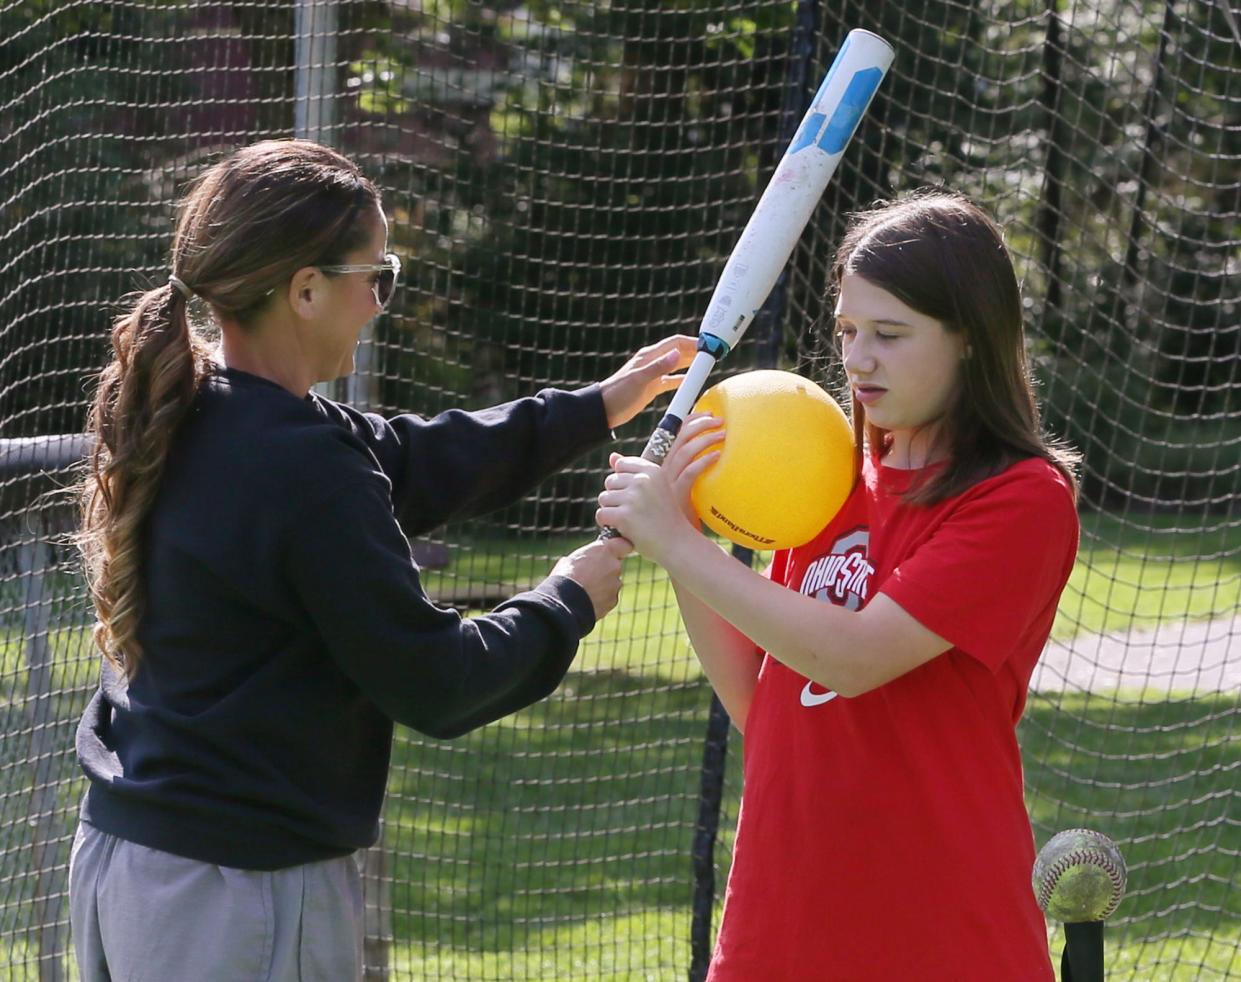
x,y
1079,876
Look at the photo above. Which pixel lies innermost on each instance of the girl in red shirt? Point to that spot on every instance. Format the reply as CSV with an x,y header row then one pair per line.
x,y
879,671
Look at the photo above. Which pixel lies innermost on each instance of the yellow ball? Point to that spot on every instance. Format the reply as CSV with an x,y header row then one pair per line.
x,y
787,461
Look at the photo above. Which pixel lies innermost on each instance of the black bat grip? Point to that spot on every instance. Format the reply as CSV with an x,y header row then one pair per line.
x,y
656,450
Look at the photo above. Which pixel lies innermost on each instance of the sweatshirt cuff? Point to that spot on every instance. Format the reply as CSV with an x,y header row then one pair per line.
x,y
572,596
592,398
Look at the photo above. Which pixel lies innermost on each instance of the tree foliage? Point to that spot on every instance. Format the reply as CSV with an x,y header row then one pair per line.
x,y
567,179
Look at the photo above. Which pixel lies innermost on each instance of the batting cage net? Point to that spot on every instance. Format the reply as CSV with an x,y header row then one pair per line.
x,y
564,183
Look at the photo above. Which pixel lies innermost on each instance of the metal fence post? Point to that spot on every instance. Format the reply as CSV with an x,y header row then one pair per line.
x,y
316,25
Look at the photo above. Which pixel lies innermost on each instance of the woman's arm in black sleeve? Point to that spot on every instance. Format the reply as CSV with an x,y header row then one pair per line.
x,y
459,464
424,666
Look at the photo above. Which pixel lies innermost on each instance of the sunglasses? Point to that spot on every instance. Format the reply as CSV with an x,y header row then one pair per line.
x,y
385,282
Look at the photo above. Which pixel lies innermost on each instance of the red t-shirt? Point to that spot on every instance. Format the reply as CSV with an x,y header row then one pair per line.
x,y
885,837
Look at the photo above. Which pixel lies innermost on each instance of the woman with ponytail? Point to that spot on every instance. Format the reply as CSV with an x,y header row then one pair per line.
x,y
260,618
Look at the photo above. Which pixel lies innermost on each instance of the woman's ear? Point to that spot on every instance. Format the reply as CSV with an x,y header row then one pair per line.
x,y
305,292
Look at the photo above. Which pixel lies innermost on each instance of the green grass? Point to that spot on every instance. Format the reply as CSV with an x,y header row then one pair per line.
x,y
1134,573
572,863
1136,766
553,844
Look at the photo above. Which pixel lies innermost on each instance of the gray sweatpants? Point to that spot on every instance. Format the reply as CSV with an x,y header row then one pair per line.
x,y
139,914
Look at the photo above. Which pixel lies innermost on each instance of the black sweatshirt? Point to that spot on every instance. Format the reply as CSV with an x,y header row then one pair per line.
x,y
285,628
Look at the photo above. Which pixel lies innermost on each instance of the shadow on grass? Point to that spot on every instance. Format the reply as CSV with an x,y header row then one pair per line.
x,y
582,807
585,807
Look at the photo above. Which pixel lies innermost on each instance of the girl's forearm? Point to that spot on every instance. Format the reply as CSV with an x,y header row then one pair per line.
x,y
820,640
849,651
729,659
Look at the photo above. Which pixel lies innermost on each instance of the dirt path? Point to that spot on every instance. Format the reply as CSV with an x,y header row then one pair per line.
x,y
1197,657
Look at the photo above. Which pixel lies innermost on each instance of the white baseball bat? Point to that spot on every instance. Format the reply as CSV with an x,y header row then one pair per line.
x,y
781,214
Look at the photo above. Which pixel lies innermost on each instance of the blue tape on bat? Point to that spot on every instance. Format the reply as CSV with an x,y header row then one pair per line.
x,y
808,133
840,57
813,122
716,347
847,115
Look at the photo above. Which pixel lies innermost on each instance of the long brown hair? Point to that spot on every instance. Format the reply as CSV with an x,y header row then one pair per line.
x,y
245,226
943,256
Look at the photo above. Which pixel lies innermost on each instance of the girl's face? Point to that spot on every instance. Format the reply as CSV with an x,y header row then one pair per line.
x,y
904,367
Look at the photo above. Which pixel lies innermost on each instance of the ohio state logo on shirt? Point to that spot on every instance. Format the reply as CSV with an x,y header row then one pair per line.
x,y
841,576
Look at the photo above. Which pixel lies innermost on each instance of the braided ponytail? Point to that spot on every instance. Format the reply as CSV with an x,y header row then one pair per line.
x,y
158,362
